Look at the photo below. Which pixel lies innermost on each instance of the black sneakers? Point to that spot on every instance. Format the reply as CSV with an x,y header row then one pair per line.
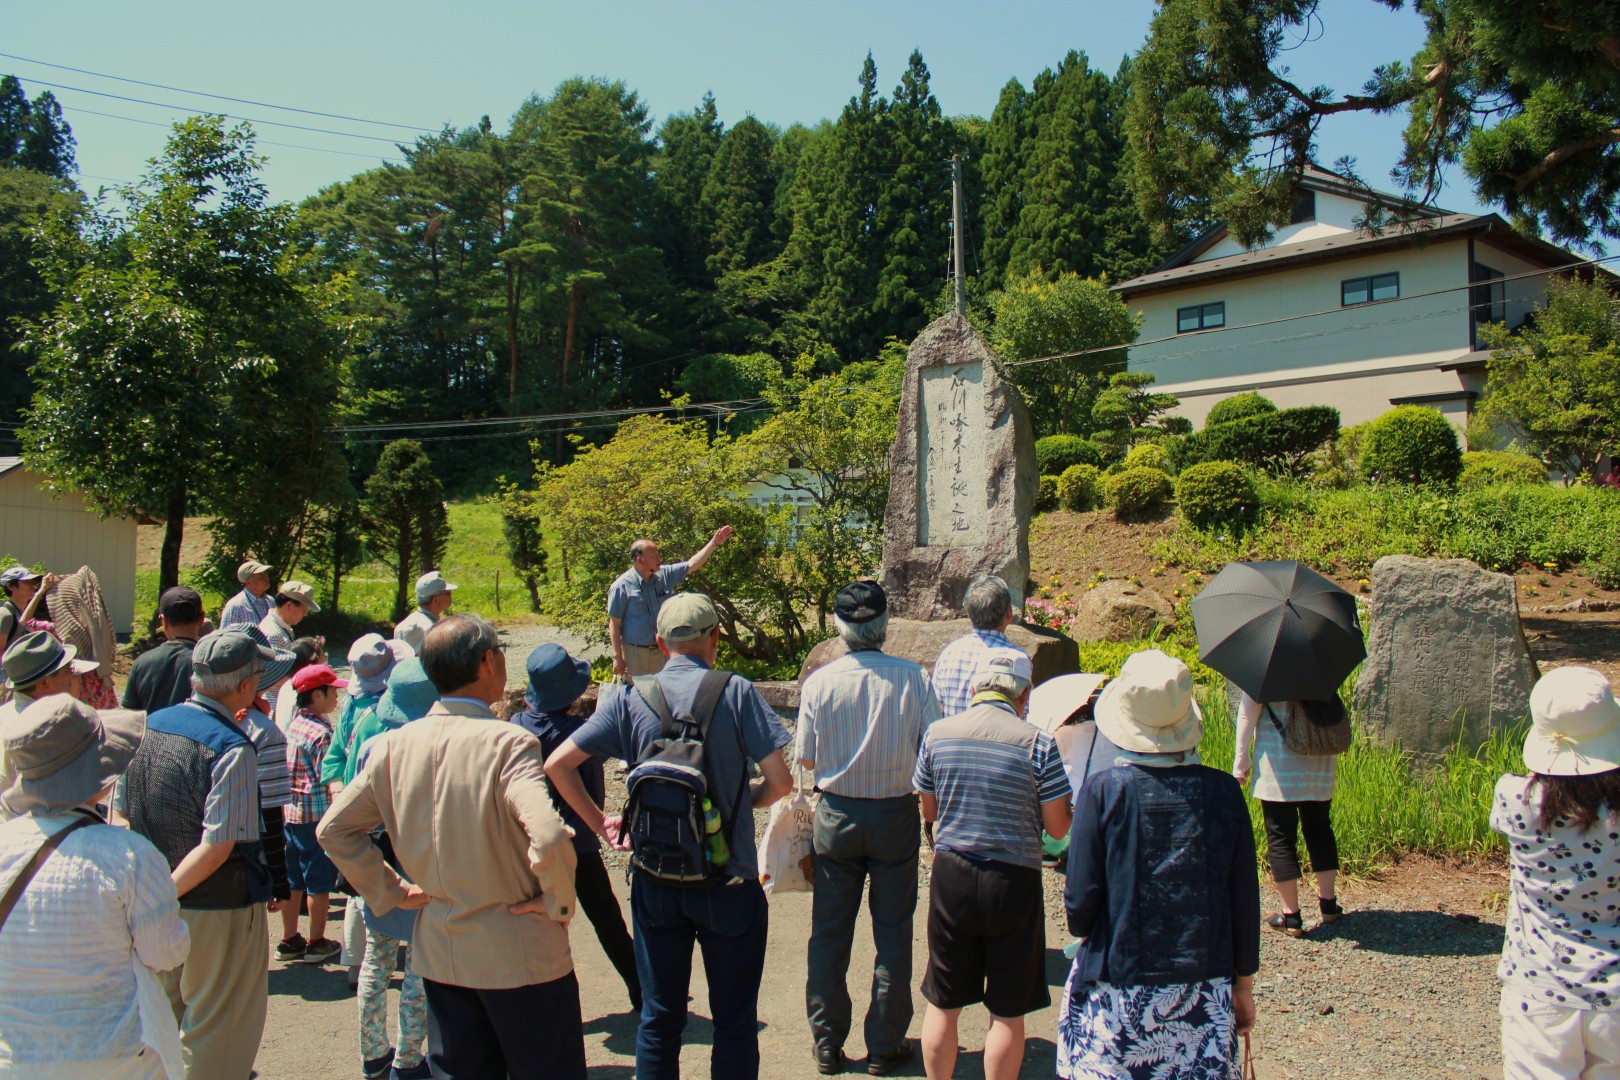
x,y
899,1057
292,948
829,1060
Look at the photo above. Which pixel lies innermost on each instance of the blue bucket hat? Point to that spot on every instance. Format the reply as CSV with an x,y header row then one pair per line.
x,y
555,679
409,696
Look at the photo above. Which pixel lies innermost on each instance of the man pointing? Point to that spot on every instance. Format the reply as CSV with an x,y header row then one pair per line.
x,y
635,597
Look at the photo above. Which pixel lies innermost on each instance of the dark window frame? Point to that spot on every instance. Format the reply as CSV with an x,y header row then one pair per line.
x,y
1487,298
1211,316
1369,285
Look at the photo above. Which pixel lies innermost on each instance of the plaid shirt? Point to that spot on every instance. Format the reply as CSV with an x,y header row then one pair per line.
x,y
308,737
957,664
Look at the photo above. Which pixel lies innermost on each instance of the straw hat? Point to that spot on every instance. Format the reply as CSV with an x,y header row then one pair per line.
x,y
1574,724
1150,709
64,753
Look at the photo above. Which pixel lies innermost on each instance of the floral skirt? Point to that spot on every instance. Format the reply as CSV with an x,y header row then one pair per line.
x,y
1181,1032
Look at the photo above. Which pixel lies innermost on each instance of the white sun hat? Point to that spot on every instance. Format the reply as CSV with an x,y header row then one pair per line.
x,y
1574,724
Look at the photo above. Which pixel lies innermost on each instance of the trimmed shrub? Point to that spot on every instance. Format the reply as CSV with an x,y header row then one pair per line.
x,y
1485,468
1217,493
1238,407
1279,442
1411,444
1046,494
1148,456
1139,492
1077,487
1337,465
1055,453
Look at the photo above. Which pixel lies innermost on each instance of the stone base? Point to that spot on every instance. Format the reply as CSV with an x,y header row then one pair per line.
x,y
1050,652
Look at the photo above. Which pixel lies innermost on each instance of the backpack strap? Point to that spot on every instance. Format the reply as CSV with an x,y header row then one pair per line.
x,y
31,867
653,694
708,698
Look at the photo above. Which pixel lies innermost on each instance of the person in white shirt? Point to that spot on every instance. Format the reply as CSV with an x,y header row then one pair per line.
x,y
78,997
434,595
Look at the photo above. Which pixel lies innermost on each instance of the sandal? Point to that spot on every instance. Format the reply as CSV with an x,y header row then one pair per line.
x,y
1291,923
1331,911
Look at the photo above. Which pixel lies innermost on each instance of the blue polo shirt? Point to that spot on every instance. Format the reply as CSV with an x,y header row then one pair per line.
x,y
743,730
637,602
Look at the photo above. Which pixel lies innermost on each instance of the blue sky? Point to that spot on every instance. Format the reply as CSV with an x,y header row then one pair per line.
x,y
426,64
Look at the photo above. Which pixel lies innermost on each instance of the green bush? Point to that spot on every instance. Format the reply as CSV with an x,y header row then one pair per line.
x,y
1238,407
1279,442
1148,456
1055,453
1046,494
1411,444
1214,493
1077,487
1337,464
1139,492
1487,468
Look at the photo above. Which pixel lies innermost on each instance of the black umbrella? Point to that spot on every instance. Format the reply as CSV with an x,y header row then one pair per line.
x,y
1279,630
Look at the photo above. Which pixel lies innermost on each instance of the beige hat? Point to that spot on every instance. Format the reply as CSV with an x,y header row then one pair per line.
x,y
1055,700
686,616
249,568
304,594
1574,724
1150,707
64,753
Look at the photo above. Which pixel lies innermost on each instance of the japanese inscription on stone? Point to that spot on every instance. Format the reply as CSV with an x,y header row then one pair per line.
x,y
953,505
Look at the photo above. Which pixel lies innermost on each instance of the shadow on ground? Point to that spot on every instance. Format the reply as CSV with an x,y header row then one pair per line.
x,y
1414,933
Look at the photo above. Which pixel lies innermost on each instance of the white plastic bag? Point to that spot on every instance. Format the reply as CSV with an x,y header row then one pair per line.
x,y
788,854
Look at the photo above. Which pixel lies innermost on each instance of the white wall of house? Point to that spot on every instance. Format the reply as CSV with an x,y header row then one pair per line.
x,y
64,534
1334,214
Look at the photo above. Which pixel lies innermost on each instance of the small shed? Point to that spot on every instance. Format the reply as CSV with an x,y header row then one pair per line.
x,y
63,534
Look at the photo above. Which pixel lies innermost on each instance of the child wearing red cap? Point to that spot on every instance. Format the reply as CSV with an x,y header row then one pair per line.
x,y
309,871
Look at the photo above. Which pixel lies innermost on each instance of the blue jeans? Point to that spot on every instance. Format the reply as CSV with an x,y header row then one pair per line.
x,y
729,925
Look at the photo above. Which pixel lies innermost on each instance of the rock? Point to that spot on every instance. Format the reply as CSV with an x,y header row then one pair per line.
x,y
1050,652
1119,611
1446,658
961,476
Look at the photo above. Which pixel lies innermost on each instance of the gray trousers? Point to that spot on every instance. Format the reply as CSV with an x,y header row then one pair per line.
x,y
857,839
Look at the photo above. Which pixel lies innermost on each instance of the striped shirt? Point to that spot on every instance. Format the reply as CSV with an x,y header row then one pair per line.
x,y
231,809
308,737
275,778
990,771
861,722
957,664
1280,775
67,980
244,609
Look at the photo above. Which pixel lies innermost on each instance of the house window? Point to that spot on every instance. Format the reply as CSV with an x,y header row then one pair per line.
x,y
1200,317
1304,207
1362,290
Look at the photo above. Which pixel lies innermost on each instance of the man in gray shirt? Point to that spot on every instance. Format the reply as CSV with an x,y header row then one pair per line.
x,y
635,597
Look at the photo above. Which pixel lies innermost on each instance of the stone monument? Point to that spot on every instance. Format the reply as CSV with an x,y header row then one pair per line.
x,y
1446,657
961,476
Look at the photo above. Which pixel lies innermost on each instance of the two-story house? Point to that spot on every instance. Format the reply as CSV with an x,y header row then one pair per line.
x,y
1326,314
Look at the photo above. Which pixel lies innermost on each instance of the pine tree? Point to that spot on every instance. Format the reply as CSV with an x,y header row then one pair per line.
x,y
739,199
914,208
687,147
1002,174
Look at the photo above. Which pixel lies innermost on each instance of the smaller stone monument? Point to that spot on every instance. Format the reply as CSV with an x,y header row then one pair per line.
x,y
961,476
1118,611
1446,657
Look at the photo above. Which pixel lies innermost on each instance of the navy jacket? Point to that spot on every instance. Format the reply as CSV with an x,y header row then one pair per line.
x,y
553,729
1163,883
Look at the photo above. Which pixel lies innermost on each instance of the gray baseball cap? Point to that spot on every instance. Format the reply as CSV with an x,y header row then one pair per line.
x,y
686,616
225,651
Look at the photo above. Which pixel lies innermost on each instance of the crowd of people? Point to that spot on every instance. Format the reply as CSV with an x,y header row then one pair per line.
x,y
144,849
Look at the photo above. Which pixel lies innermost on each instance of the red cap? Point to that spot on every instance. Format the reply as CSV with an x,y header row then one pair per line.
x,y
315,675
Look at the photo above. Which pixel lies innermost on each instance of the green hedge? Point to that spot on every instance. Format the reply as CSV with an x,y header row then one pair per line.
x,y
1214,493
1278,442
1055,453
1487,468
1046,494
1077,487
1238,407
1411,444
1148,455
1139,492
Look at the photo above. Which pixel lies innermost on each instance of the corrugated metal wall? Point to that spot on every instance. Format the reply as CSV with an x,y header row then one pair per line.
x,y
63,535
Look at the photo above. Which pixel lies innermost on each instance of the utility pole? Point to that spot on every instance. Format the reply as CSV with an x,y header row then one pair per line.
x,y
959,245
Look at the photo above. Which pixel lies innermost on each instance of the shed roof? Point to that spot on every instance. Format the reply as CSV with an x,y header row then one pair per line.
x,y
9,463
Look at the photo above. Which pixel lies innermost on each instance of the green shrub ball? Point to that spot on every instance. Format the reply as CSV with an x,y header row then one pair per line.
x,y
1046,494
1139,492
1055,453
1411,444
1216,493
1077,487
1238,407
1487,468
1148,456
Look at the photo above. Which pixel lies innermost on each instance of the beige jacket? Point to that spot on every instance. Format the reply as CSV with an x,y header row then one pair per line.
x,y
463,796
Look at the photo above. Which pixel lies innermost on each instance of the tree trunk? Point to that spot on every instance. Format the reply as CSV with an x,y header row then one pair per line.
x,y
534,592
567,358
174,528
511,340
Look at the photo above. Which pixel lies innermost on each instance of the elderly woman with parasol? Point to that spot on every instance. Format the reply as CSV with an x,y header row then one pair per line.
x,y
1287,637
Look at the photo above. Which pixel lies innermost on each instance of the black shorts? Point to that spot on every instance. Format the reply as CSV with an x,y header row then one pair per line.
x,y
986,937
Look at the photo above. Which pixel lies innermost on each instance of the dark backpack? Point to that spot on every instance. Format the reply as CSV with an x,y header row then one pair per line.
x,y
663,815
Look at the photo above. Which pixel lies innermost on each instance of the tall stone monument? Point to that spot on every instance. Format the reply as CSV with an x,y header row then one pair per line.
x,y
962,476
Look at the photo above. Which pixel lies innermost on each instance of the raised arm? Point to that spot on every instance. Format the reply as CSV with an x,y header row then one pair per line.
x,y
721,535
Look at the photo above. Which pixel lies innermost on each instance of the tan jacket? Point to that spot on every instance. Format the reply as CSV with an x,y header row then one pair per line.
x,y
463,796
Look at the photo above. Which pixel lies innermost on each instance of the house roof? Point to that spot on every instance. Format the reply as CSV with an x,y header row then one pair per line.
x,y
1179,271
9,463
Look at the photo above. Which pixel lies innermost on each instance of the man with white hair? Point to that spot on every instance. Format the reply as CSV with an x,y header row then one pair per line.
x,y
250,606
434,595
989,607
861,722
991,781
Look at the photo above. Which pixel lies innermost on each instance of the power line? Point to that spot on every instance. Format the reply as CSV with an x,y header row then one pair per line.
x,y
261,142
592,414
228,116
220,97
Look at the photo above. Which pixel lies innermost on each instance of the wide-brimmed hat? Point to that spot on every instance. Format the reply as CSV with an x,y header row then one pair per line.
x,y
304,594
251,567
555,679
64,753
409,696
431,584
1150,707
1574,724
36,655
1055,700
371,660
274,669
